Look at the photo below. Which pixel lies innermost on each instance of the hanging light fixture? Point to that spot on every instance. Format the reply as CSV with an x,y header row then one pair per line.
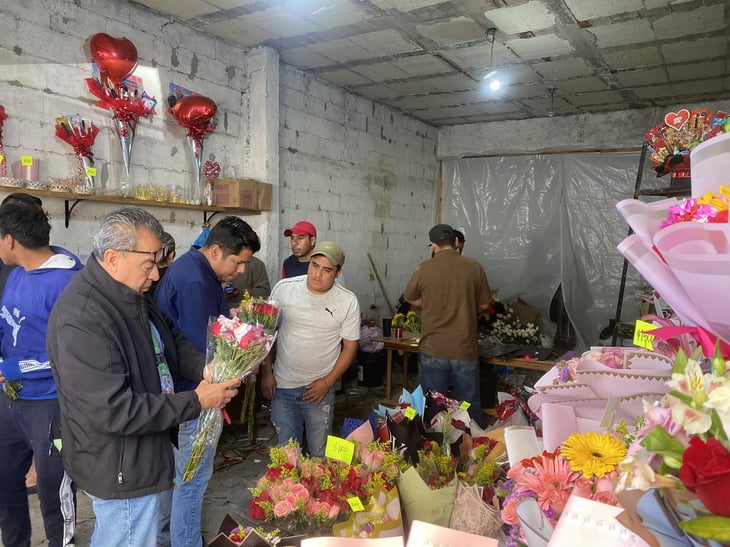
x,y
494,83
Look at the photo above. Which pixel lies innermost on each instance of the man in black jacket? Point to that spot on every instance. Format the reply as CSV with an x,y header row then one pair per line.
x,y
115,359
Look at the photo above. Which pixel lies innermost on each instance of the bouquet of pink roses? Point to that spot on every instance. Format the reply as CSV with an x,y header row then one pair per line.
x,y
235,349
300,494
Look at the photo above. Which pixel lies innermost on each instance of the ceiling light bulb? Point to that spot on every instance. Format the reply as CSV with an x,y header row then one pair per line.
x,y
494,85
490,74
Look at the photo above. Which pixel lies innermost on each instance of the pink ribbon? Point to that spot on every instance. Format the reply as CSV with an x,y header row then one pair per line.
x,y
703,337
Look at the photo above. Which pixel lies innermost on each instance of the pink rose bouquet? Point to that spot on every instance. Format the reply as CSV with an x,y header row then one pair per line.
x,y
235,350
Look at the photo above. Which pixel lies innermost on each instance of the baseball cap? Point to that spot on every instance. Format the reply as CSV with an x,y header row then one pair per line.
x,y
331,251
301,228
441,232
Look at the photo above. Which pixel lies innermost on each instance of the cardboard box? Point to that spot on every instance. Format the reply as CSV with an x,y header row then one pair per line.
x,y
264,196
242,193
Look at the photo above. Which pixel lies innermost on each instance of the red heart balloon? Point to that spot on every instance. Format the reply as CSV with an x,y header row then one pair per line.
x,y
194,110
116,57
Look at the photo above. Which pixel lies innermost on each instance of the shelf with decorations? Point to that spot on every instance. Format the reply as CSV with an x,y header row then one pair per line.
x,y
71,200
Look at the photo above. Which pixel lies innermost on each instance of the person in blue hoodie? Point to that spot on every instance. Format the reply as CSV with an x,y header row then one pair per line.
x,y
28,401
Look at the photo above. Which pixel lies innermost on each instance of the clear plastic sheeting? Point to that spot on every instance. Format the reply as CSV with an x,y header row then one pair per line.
x,y
537,221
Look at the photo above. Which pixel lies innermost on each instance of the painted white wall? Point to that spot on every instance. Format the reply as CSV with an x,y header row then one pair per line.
x,y
365,174
591,131
45,59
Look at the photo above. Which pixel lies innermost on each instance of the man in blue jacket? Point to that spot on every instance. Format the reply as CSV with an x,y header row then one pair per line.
x,y
189,294
29,402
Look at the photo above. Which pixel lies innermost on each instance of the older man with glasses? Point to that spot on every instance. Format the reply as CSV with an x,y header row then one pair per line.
x,y
116,360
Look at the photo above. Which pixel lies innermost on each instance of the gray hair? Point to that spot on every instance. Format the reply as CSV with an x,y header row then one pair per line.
x,y
119,228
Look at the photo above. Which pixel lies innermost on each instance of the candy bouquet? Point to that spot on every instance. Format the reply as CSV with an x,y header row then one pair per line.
x,y
80,133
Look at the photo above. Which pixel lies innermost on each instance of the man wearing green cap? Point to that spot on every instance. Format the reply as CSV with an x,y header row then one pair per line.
x,y
317,341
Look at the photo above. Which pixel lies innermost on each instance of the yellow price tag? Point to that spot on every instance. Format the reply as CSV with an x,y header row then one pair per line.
x,y
2,158
642,338
465,405
339,449
355,504
410,412
91,171
26,161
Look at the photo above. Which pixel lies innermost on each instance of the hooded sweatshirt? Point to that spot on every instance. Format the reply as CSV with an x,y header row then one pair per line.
x,y
25,306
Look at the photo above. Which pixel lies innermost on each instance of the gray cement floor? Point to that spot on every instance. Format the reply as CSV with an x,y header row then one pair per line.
x,y
238,465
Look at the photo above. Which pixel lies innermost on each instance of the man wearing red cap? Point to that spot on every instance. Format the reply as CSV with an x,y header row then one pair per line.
x,y
303,238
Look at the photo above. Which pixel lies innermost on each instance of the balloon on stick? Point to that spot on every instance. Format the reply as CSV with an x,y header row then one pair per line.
x,y
117,59
196,114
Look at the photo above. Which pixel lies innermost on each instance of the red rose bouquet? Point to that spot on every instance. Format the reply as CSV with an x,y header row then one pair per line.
x,y
257,311
235,349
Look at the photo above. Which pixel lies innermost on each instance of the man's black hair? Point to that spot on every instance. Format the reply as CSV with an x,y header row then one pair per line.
x,y
22,197
28,225
233,235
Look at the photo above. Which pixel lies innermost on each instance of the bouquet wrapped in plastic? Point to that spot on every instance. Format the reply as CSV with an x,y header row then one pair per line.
x,y
235,349
258,311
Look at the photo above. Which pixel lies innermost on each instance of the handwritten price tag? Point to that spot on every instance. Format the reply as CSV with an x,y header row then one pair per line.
x,y
26,161
641,338
355,504
339,449
91,171
465,405
410,413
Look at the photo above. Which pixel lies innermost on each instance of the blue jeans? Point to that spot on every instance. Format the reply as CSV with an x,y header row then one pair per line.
x,y
437,374
24,432
291,415
182,507
128,522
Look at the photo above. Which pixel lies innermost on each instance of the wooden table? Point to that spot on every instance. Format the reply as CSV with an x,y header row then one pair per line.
x,y
410,345
407,346
514,362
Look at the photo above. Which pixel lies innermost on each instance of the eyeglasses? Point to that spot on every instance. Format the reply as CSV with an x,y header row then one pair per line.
x,y
157,257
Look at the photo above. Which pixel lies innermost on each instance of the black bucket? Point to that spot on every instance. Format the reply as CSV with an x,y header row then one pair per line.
x,y
371,368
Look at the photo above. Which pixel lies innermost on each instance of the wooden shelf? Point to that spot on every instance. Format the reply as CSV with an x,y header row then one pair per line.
x,y
72,200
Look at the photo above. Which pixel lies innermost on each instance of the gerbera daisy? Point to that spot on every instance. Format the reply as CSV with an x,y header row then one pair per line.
x,y
549,476
593,454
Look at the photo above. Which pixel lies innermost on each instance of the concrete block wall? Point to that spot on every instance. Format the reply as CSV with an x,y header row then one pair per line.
x,y
364,174
590,131
45,59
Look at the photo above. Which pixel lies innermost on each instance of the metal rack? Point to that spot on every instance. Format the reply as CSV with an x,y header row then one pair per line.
x,y
670,191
